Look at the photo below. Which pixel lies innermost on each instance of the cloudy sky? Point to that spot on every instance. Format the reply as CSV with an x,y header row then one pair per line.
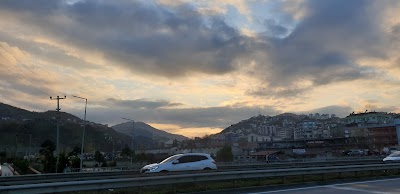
x,y
196,67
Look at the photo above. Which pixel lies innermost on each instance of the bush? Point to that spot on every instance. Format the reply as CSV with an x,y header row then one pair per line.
x,y
3,157
75,162
21,165
112,164
225,154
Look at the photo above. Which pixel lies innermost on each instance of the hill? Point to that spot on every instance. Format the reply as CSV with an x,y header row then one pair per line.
x,y
145,130
257,123
17,125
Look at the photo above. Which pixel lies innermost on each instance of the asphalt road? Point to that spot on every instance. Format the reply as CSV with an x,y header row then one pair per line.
x,y
5,171
380,186
385,186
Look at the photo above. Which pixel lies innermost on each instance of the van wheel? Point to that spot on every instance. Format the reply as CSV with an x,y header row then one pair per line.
x,y
207,168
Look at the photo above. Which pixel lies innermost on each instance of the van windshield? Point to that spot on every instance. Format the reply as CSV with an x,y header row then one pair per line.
x,y
171,158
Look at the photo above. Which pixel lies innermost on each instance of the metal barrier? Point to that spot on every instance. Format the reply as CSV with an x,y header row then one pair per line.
x,y
107,172
185,178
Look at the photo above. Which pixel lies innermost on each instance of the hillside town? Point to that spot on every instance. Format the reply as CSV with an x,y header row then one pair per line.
x,y
300,136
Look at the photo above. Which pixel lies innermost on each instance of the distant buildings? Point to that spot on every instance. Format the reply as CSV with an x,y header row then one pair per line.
x,y
372,130
368,118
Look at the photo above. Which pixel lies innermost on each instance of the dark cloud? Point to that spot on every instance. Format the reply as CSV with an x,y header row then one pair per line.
x,y
324,47
147,38
396,30
279,93
150,38
219,117
274,28
339,111
141,103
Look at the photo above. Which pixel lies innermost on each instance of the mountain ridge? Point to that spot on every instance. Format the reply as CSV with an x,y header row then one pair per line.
x,y
143,129
19,122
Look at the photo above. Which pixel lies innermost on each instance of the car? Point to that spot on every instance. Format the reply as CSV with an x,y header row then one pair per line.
x,y
182,162
356,152
394,156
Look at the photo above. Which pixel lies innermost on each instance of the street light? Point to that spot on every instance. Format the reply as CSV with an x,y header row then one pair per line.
x,y
133,128
83,133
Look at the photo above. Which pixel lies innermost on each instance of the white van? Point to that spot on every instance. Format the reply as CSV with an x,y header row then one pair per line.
x,y
5,170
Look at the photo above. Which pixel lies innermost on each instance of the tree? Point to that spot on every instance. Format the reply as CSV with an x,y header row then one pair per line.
x,y
3,157
112,164
141,158
75,152
48,147
98,157
21,165
75,162
225,154
48,160
127,152
63,162
175,143
73,157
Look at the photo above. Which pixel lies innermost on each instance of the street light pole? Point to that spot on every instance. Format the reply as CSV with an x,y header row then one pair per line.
x,y
83,133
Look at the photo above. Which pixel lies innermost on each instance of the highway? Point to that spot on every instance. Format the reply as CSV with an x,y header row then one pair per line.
x,y
63,177
52,183
382,186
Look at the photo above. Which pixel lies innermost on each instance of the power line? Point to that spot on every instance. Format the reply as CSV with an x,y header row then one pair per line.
x,y
28,83
25,74
48,85
28,67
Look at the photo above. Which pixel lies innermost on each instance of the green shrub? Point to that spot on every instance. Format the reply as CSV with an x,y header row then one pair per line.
x,y
21,165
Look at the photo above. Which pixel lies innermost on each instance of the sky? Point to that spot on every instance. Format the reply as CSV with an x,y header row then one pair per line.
x,y
197,67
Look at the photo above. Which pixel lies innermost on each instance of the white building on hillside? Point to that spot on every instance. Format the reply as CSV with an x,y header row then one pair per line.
x,y
252,137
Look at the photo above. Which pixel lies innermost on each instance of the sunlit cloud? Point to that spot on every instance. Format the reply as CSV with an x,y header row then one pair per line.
x,y
196,67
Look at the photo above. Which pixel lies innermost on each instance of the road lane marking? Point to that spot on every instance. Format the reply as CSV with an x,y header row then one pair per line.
x,y
325,186
355,189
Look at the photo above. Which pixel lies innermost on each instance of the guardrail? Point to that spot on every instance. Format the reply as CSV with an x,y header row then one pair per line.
x,y
293,162
60,177
123,172
185,178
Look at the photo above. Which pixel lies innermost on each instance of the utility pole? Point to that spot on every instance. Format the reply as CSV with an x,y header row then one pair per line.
x,y
113,151
16,145
133,129
30,145
110,138
58,126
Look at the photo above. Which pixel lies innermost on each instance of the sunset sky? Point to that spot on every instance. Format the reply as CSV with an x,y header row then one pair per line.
x,y
196,67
